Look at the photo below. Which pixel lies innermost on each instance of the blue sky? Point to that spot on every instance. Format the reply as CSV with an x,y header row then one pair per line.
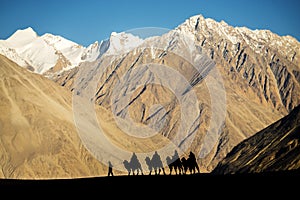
x,y
85,21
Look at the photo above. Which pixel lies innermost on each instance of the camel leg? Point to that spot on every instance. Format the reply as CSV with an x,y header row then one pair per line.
x,y
163,169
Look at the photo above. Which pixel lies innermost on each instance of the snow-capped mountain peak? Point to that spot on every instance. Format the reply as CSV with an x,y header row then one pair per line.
x,y
40,53
70,50
204,28
43,53
122,42
92,52
58,41
22,37
54,54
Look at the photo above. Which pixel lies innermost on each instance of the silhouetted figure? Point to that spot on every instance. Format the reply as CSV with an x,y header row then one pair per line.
x,y
127,166
110,171
134,165
157,164
170,164
149,163
193,165
177,163
185,165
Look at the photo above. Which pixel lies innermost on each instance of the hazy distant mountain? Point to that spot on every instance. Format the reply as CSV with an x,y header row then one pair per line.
x,y
275,148
260,72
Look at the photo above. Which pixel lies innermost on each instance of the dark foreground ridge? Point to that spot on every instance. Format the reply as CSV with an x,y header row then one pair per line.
x,y
203,183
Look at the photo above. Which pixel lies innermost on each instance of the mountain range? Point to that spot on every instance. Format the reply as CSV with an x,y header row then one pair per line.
x,y
244,80
53,54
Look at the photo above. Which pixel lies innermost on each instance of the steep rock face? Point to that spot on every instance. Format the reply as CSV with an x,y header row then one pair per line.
x,y
253,101
268,63
276,148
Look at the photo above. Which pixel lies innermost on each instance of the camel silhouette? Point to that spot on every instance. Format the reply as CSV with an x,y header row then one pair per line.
x,y
190,164
149,163
170,164
133,166
178,168
156,164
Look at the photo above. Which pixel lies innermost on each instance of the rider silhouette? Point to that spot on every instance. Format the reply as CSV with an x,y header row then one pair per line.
x,y
193,162
157,163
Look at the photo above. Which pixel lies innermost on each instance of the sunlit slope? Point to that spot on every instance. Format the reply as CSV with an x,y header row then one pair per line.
x,y
276,148
38,136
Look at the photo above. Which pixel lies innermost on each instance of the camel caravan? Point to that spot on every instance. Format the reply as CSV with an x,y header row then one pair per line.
x,y
176,165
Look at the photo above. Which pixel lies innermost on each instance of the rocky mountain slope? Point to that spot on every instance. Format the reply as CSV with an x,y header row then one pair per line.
x,y
267,63
259,71
39,137
275,148
206,86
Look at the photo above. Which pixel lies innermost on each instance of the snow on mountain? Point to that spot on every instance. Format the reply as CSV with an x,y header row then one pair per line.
x,y
92,52
22,37
256,39
12,54
29,50
18,39
118,43
122,42
69,49
53,54
262,58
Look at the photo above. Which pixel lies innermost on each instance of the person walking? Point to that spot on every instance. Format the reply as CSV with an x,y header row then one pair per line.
x,y
110,169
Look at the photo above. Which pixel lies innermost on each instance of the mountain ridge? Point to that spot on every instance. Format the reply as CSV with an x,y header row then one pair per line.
x,y
51,54
259,89
256,59
93,50
273,149
261,82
